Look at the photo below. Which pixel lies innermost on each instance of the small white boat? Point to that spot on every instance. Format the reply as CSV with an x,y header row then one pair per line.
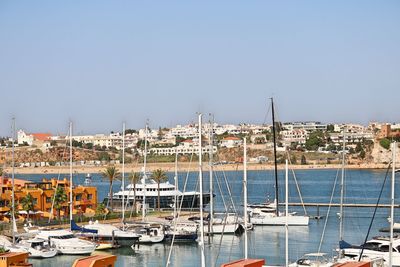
x,y
66,243
313,259
110,232
261,216
38,248
148,232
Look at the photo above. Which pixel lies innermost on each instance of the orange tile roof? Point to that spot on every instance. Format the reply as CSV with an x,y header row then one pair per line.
x,y
41,136
16,181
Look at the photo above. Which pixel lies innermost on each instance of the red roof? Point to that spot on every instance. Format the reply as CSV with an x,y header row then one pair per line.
x,y
41,136
4,181
187,141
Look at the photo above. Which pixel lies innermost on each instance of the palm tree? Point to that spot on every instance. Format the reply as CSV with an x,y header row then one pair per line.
x,y
60,197
135,178
28,204
159,176
111,173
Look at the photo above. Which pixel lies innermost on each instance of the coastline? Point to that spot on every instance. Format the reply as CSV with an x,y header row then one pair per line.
x,y
185,166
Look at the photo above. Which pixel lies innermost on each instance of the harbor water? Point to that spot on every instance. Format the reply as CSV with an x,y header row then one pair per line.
x,y
267,242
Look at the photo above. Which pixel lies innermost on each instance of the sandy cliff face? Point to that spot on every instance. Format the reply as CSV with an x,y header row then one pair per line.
x,y
382,155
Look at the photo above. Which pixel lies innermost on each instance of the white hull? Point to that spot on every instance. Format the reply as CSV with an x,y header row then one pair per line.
x,y
221,228
372,254
274,220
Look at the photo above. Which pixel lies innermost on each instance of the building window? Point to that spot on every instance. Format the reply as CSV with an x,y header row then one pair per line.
x,y
35,201
48,199
79,197
90,196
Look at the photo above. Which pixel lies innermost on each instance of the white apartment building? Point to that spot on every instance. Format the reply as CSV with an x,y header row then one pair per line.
x,y
187,131
350,127
111,140
351,137
231,141
292,136
185,147
309,126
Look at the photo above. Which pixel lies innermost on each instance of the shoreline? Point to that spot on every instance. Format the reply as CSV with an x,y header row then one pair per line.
x,y
185,166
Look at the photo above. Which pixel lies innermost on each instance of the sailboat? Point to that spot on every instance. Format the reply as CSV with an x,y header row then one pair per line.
x,y
108,232
270,215
246,261
387,248
37,248
64,241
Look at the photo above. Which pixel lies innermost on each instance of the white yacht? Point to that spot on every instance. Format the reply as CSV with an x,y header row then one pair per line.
x,y
268,216
108,232
65,242
38,248
167,195
377,247
149,232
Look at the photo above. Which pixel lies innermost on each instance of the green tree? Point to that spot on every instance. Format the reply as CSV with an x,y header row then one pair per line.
x,y
303,160
293,159
28,204
159,176
60,198
135,178
104,156
110,173
315,140
385,143
1,171
358,148
100,209
330,127
362,154
130,131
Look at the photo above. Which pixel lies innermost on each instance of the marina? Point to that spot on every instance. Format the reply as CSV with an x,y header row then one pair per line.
x,y
264,241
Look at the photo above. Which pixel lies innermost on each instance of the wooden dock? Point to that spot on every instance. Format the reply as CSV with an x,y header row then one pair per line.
x,y
347,205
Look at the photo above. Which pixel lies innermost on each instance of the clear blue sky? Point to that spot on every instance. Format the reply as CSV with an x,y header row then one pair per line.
x,y
99,63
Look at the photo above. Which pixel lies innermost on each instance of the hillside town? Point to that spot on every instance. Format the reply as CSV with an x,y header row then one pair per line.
x,y
306,142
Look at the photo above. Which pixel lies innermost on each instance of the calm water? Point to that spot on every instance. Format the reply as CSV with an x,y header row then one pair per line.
x,y
362,186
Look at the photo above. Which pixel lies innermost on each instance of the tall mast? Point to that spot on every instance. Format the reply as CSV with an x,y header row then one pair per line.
x,y
342,187
392,203
70,173
144,174
203,264
12,181
245,196
123,172
275,162
211,136
286,213
176,183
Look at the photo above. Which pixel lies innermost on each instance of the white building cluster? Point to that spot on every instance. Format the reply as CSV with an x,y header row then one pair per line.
x,y
183,139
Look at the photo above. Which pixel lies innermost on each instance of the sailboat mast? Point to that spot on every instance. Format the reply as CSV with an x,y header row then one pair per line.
x,y
342,187
275,161
123,172
286,213
392,203
245,196
12,181
176,184
201,197
70,173
210,223
144,174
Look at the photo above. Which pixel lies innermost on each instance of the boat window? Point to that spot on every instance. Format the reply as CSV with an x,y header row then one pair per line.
x,y
385,248
372,245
